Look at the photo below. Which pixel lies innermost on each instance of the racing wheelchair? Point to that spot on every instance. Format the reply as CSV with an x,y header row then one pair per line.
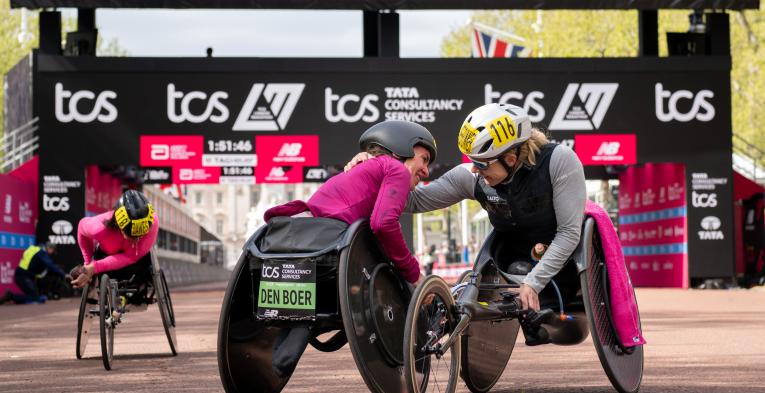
x,y
321,273
470,330
107,299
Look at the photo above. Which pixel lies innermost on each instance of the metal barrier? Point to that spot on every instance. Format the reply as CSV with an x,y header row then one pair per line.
x,y
18,146
179,273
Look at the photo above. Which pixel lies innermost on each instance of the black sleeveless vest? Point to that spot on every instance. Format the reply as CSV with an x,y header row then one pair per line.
x,y
522,209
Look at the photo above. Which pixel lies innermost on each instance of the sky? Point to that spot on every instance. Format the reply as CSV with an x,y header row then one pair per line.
x,y
266,33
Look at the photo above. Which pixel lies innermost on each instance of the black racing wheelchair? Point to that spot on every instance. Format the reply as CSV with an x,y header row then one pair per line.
x,y
318,273
108,297
469,330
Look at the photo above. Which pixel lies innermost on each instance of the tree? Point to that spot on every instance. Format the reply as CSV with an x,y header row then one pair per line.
x,y
614,34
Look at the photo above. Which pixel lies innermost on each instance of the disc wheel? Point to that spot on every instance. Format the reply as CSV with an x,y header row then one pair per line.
x,y
430,320
166,310
84,322
487,345
106,308
624,367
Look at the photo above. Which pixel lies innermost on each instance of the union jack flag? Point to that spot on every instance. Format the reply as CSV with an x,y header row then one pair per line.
x,y
486,43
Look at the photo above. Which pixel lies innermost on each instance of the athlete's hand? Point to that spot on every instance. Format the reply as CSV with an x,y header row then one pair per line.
x,y
357,159
86,273
529,298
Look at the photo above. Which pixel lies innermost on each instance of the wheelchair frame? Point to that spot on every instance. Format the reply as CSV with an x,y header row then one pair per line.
x,y
477,303
109,309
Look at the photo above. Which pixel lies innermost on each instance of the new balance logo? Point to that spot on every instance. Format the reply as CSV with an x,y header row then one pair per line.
x,y
583,106
268,107
290,149
608,149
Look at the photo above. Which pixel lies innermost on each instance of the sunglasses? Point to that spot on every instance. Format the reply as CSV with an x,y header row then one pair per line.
x,y
483,165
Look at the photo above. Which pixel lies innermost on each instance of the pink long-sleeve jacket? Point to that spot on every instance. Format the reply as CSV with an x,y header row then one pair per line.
x,y
121,252
376,189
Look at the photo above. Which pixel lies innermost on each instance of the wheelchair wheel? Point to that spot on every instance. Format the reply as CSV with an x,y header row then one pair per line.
x,y
245,344
332,344
624,367
487,346
84,322
373,303
166,310
106,321
430,319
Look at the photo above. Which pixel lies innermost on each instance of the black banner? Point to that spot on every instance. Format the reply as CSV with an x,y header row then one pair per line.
x,y
678,109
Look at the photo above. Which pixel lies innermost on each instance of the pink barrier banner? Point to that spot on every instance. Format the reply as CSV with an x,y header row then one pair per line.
x,y
300,150
18,207
165,150
606,149
653,225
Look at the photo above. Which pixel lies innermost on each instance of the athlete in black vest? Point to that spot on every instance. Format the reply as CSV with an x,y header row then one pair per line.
x,y
533,191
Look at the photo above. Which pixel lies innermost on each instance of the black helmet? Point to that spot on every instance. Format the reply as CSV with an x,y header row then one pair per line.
x,y
134,214
399,137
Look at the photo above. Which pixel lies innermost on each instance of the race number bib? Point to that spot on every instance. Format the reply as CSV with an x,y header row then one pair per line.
x,y
287,290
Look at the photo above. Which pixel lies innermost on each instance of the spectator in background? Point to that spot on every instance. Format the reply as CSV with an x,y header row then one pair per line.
x,y
35,263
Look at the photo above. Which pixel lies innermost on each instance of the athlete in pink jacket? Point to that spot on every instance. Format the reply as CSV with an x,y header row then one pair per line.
x,y
377,189
125,235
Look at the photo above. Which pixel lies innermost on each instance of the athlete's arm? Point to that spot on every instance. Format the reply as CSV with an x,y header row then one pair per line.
x,y
569,197
450,188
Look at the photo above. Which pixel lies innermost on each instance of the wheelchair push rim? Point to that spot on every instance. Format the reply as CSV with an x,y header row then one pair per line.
x,y
106,312
623,368
430,319
84,323
165,304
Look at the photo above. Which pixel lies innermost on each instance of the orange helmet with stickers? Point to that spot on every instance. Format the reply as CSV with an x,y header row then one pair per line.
x,y
134,214
492,129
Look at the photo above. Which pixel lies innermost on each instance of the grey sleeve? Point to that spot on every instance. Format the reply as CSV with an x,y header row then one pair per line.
x,y
450,188
569,198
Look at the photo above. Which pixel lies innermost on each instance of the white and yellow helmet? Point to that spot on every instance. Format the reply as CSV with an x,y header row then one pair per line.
x,y
492,129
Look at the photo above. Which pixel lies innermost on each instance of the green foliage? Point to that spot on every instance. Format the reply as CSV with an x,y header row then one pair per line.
x,y
614,34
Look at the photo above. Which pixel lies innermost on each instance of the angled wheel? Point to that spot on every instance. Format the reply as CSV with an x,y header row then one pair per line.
x,y
624,367
245,344
487,346
430,320
106,308
166,310
84,322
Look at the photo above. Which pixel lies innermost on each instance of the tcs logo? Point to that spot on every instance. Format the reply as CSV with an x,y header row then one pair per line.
x,y
701,109
350,108
270,271
68,105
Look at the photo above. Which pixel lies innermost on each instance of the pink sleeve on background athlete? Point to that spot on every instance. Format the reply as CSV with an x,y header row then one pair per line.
x,y
133,253
390,202
85,230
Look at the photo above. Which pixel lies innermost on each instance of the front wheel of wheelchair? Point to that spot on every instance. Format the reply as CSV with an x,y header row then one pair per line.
x,y
106,309
84,322
429,323
624,367
166,311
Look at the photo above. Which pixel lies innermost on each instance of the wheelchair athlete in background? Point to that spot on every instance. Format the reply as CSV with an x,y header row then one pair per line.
x,y
335,263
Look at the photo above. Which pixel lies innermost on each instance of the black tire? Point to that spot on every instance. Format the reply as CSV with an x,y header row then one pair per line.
x,y
245,344
624,368
165,304
332,344
106,308
84,323
431,312
487,346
